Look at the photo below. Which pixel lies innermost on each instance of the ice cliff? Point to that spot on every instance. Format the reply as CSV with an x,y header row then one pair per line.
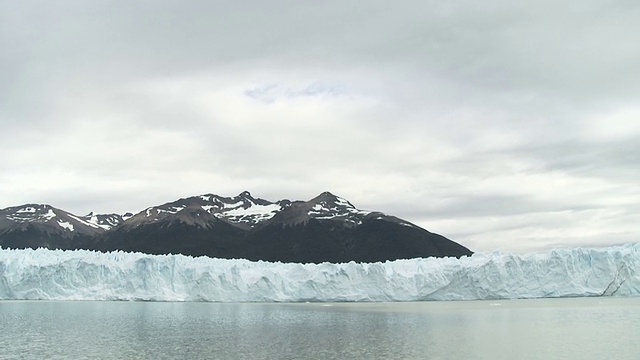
x,y
85,275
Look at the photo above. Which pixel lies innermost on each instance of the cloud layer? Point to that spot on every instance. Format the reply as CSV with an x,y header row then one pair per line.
x,y
502,126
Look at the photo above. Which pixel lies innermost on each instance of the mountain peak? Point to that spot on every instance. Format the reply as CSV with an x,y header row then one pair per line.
x,y
325,197
327,194
329,199
325,207
242,210
30,213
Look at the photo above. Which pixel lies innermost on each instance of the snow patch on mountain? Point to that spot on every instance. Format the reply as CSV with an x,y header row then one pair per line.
x,y
94,222
242,209
154,211
65,225
175,209
87,222
85,275
328,206
49,215
51,220
84,222
254,213
235,205
30,213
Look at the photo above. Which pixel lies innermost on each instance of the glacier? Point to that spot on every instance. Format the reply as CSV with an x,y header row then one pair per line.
x,y
87,275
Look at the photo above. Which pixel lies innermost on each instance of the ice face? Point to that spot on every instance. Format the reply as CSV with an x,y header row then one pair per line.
x,y
85,275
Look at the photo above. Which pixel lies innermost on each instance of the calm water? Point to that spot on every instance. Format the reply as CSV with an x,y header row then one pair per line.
x,y
516,329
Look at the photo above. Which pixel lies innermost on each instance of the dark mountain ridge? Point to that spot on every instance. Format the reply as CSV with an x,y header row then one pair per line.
x,y
326,228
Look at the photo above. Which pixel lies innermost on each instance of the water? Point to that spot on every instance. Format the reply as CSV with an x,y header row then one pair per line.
x,y
594,328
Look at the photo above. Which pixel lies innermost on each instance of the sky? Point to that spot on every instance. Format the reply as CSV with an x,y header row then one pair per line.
x,y
509,126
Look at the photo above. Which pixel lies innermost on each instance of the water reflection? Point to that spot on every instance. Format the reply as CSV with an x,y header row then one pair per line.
x,y
524,329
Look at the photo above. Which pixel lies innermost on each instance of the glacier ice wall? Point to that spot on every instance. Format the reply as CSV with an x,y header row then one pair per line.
x,y
86,275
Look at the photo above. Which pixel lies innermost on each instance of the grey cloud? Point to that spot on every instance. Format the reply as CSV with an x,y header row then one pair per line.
x,y
457,111
608,159
497,205
271,92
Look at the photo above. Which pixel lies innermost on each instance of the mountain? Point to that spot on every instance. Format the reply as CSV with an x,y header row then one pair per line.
x,y
325,228
41,225
329,228
208,225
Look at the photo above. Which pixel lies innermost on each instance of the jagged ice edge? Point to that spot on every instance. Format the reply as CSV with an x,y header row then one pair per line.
x,y
88,275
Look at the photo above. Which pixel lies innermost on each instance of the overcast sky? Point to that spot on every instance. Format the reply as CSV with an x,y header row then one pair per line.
x,y
503,126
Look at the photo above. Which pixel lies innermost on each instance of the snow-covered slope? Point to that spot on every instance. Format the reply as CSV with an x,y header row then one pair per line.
x,y
83,275
242,210
247,212
52,219
325,206
104,221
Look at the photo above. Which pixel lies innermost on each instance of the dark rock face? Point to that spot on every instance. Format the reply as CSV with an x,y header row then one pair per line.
x,y
30,236
326,228
173,237
374,240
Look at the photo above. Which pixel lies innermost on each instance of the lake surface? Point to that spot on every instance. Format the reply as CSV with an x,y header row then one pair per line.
x,y
591,328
